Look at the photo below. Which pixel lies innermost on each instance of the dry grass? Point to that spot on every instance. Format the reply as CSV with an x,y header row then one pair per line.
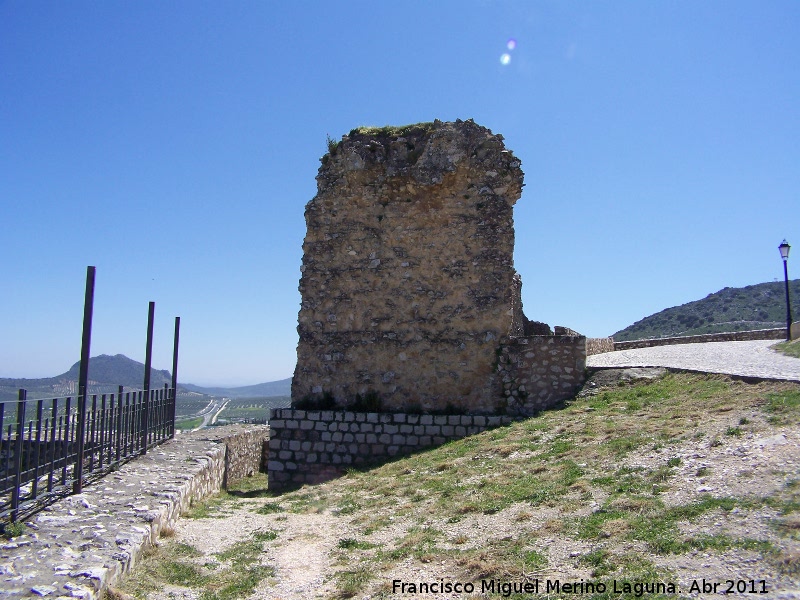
x,y
500,504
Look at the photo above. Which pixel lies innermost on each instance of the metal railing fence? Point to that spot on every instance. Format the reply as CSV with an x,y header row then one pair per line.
x,y
40,453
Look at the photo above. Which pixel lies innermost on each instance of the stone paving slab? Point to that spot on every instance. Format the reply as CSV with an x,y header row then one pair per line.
x,y
746,359
83,543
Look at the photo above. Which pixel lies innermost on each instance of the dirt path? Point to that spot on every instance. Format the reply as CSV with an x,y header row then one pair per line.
x,y
302,558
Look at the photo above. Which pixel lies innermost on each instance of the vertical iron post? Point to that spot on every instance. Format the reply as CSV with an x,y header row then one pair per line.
x,y
37,448
83,377
175,375
784,250
148,361
119,423
788,306
23,396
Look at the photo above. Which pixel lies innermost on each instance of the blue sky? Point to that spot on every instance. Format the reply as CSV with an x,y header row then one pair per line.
x,y
174,145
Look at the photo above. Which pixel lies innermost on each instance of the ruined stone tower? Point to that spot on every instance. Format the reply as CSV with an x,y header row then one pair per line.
x,y
408,285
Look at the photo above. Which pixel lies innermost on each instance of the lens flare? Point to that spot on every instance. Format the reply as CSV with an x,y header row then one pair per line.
x,y
511,44
505,59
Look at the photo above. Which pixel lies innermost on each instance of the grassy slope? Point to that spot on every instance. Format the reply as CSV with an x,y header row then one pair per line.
x,y
559,476
761,306
789,348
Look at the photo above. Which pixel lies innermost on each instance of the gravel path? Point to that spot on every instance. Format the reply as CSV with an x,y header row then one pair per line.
x,y
749,359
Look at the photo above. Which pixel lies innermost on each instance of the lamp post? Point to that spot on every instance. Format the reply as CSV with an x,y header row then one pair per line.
x,y
784,249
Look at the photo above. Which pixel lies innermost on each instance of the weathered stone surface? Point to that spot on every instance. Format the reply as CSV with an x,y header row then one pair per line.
x,y
599,345
408,280
409,293
80,545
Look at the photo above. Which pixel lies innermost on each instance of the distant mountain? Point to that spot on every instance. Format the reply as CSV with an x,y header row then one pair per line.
x,y
282,387
761,306
118,370
106,374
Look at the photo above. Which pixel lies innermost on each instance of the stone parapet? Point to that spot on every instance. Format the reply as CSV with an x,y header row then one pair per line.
x,y
246,451
319,445
732,336
537,372
82,544
599,345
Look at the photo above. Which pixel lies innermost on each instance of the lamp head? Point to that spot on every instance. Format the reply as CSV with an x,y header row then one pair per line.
x,y
784,248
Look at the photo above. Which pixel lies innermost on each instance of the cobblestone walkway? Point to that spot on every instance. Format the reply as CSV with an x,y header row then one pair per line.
x,y
749,359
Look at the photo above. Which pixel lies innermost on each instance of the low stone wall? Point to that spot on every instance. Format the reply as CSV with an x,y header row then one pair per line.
x,y
733,336
84,543
795,331
315,446
539,371
246,451
599,345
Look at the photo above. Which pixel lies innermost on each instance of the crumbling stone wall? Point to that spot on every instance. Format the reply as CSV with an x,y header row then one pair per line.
x,y
539,370
408,282
599,345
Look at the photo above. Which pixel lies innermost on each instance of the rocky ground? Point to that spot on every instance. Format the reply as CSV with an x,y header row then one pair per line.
x,y
319,545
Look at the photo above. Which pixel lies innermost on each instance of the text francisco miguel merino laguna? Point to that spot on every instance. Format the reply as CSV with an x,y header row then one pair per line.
x,y
556,586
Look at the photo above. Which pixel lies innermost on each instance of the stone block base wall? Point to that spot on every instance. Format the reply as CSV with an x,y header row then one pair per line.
x,y
539,371
316,446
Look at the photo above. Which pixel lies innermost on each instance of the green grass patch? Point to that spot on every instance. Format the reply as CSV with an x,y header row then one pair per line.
x,y
211,508
248,550
784,407
789,348
353,544
598,560
188,424
236,584
392,130
351,581
254,486
269,508
166,564
235,574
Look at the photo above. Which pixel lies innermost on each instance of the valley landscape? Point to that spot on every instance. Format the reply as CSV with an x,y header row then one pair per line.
x,y
107,373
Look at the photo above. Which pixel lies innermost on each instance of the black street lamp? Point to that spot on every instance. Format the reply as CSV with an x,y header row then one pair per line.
x,y
784,248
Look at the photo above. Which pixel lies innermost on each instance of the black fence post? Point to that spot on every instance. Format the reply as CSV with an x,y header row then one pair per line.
x,y
119,423
37,447
175,375
148,361
23,396
83,378
163,418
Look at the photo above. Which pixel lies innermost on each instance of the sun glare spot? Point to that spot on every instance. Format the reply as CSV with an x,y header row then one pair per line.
x,y
505,59
511,44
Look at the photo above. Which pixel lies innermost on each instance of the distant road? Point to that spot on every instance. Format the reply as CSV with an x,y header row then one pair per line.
x,y
748,359
211,412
